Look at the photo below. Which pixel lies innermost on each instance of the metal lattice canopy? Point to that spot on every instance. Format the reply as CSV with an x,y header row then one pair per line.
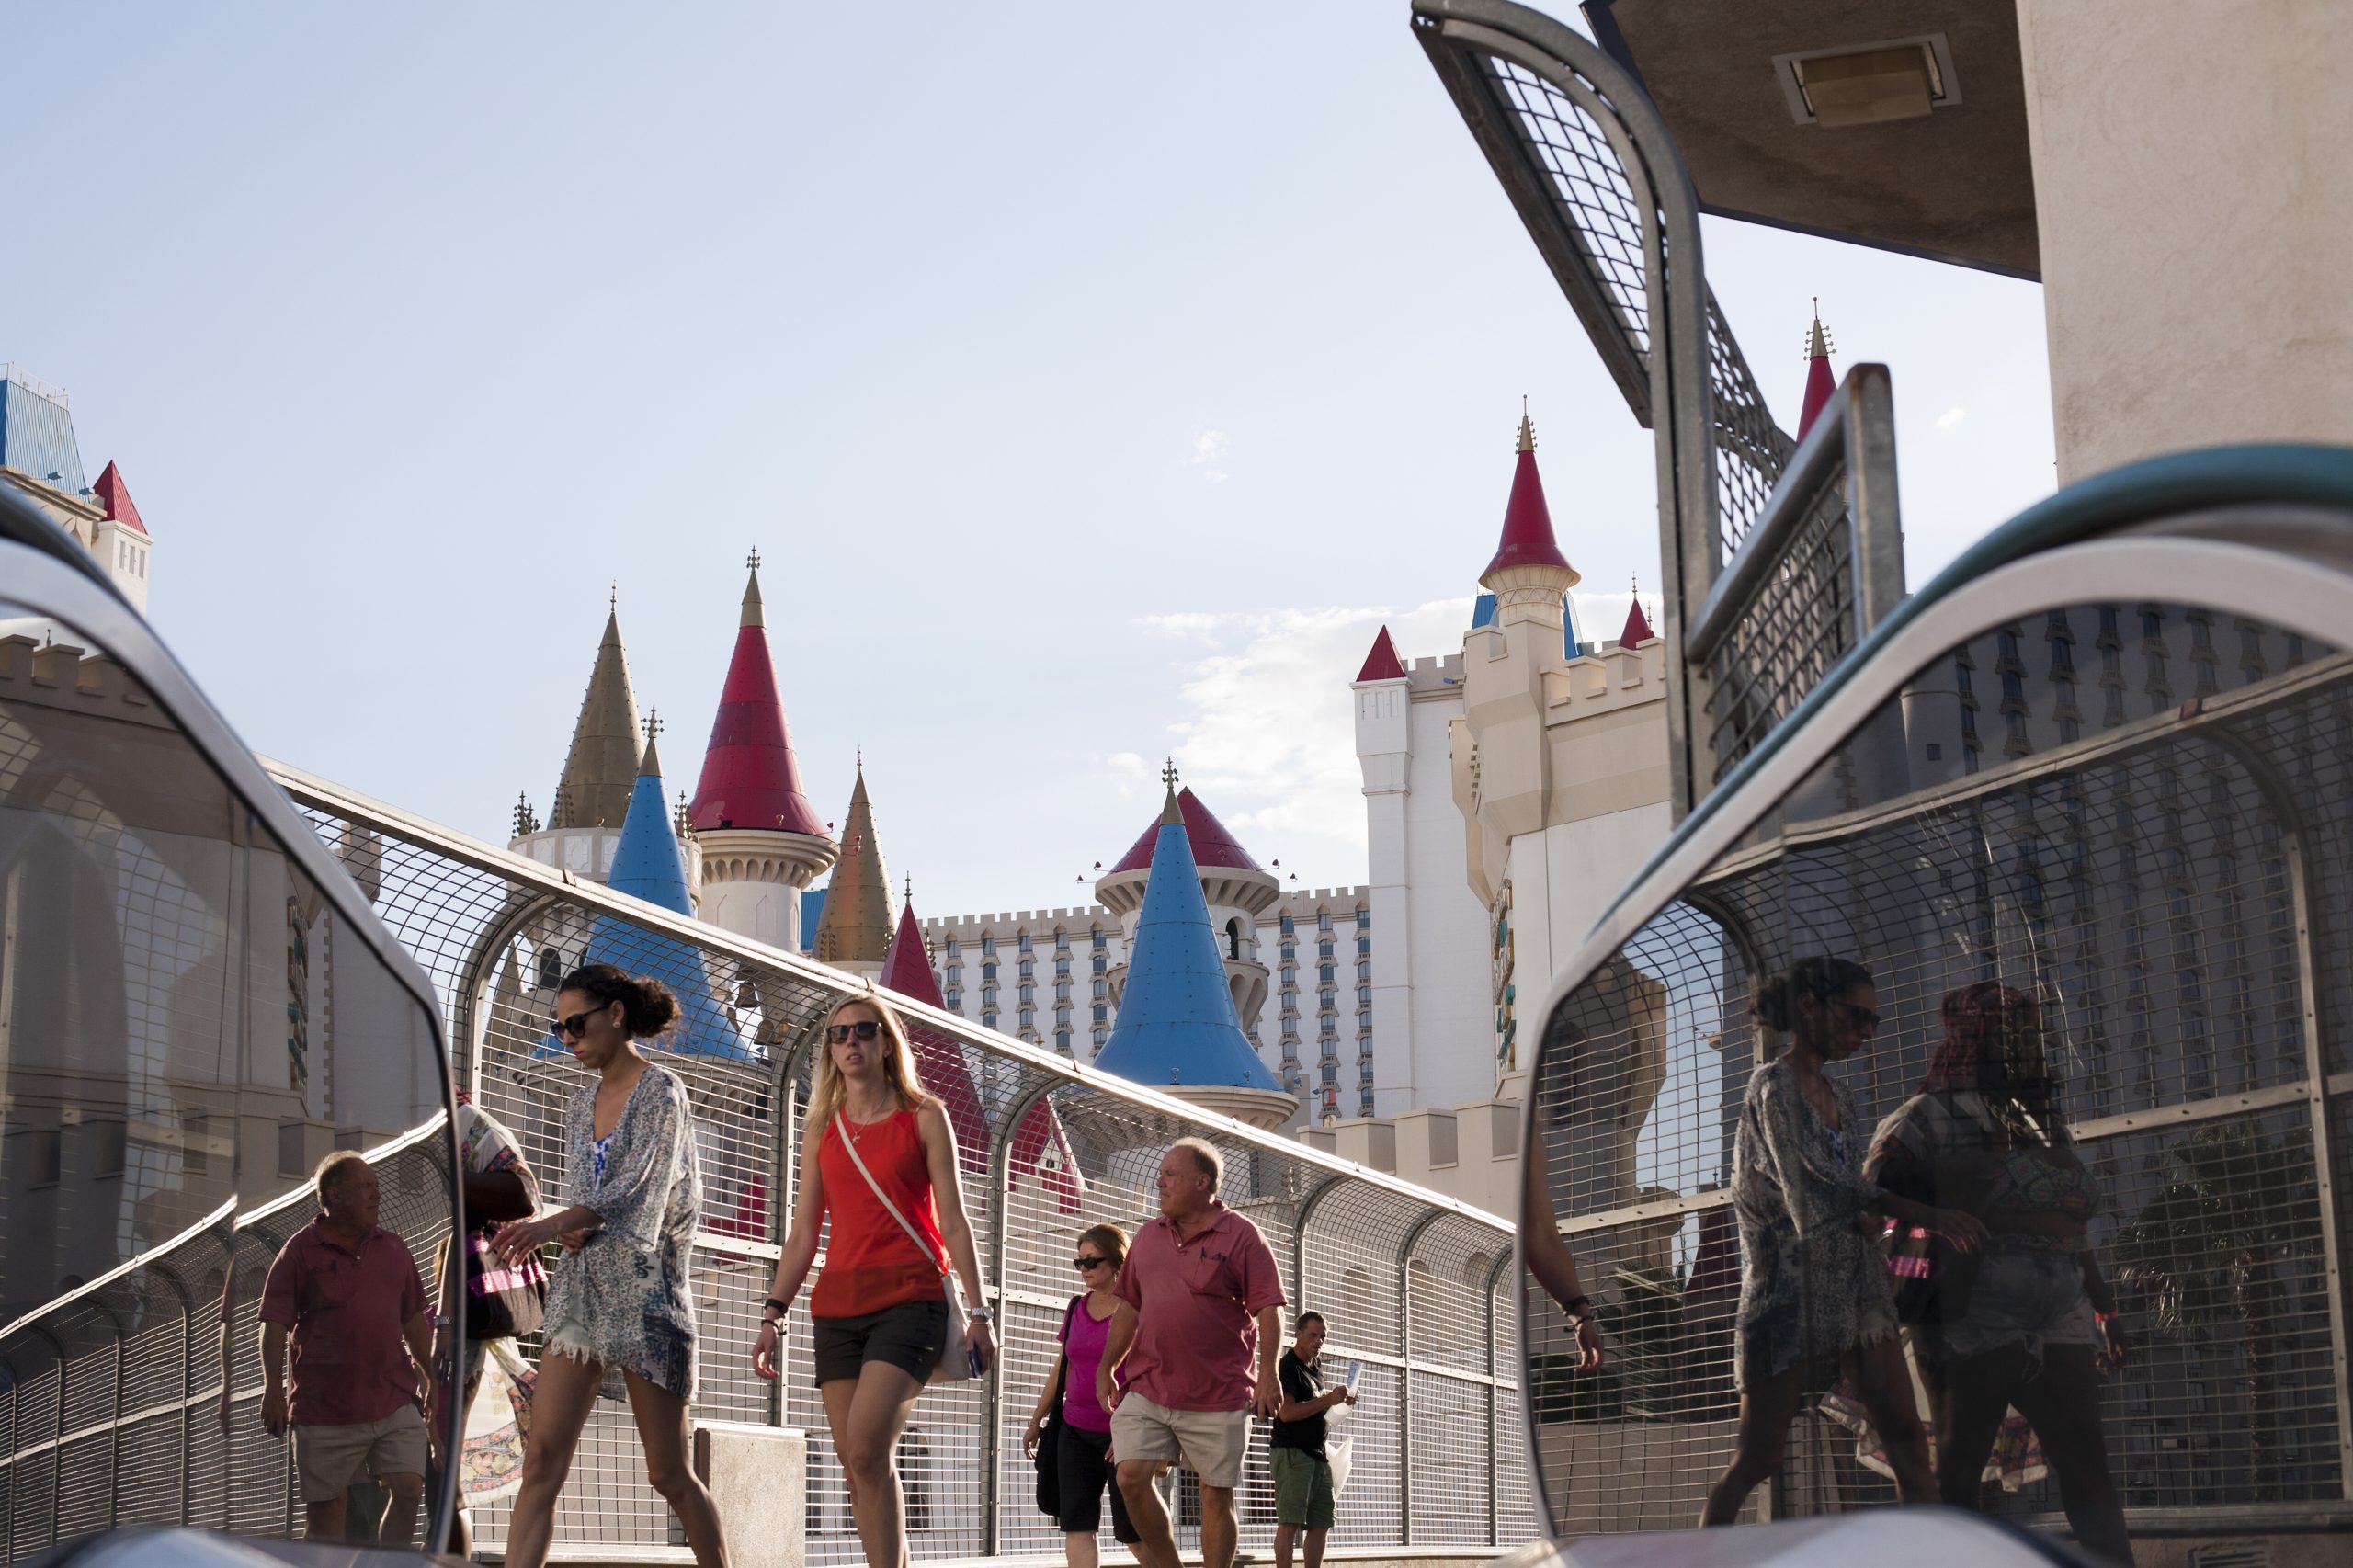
x,y
2103,762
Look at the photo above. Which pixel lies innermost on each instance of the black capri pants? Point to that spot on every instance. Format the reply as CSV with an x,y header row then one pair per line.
x,y
1082,1473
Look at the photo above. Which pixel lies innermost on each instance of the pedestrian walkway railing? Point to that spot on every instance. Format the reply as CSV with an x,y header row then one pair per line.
x,y
123,1423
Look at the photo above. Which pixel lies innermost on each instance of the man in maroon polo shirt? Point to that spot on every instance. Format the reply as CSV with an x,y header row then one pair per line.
x,y
1208,1303
349,1293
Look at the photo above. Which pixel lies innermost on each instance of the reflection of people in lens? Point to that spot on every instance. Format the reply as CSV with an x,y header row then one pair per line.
x,y
1816,1287
1550,1263
620,1300
496,1185
2033,1322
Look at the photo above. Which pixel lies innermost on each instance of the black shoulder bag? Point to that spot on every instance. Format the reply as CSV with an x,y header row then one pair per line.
x,y
1049,1436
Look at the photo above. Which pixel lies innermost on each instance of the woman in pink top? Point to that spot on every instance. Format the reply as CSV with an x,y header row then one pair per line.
x,y
1082,1455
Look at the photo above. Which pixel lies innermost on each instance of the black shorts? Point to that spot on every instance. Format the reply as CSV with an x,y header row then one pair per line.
x,y
1081,1479
907,1337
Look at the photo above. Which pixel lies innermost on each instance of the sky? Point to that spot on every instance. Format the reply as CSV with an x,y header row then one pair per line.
x,y
1093,389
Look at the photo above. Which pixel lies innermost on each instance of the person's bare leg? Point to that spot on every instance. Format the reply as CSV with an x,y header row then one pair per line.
x,y
1221,1529
661,1418
1766,1408
559,1407
1315,1552
1973,1397
2063,1404
866,1427
1883,1383
399,1527
1079,1550
1283,1534
1157,1545
324,1521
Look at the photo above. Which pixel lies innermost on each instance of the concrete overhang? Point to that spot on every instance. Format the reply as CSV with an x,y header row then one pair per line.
x,y
1955,183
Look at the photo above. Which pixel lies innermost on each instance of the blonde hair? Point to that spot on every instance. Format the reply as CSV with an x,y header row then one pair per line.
x,y
826,1088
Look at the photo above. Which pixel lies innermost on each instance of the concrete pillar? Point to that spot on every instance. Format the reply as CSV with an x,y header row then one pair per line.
x,y
759,1478
2195,204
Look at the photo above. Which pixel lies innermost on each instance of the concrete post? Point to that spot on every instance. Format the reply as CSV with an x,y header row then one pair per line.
x,y
759,1477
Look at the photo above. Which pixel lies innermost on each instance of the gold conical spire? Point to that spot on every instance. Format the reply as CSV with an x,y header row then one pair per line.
x,y
601,767
855,926
1169,811
754,615
1526,430
649,765
1817,342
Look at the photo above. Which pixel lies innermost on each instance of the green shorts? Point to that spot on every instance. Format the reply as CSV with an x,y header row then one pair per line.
x,y
1302,1488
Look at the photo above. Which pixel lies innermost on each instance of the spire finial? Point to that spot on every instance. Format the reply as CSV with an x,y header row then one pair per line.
x,y
613,598
653,724
753,559
1818,340
1168,811
1526,430
909,895
860,755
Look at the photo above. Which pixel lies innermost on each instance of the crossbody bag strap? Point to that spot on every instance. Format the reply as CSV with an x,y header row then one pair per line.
x,y
876,1187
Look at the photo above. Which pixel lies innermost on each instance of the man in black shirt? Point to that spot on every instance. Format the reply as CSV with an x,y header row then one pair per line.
x,y
1295,1451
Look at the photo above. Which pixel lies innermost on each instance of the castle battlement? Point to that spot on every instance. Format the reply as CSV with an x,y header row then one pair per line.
x,y
1616,677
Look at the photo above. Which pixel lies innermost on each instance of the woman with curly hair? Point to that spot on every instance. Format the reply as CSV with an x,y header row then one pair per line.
x,y
619,1300
1814,1291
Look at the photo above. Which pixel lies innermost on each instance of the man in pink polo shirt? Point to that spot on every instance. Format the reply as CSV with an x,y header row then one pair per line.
x,y
347,1294
1208,1304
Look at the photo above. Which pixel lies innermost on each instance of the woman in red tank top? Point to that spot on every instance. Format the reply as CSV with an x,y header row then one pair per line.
x,y
880,1309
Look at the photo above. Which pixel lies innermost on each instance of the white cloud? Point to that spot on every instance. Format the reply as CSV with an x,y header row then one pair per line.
x,y
1268,732
1208,455
1950,417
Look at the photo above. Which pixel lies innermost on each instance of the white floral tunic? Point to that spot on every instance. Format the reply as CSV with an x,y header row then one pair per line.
x,y
1815,1282
623,1298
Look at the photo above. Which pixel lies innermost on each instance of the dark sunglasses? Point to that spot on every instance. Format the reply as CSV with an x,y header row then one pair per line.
x,y
865,1029
576,1026
1083,1264
1863,1018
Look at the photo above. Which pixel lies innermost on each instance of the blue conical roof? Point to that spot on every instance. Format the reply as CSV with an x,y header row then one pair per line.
x,y
649,864
1177,1022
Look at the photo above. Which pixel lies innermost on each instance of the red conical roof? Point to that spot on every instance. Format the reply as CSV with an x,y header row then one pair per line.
x,y
1819,382
939,1061
1638,627
1381,664
1528,522
1212,845
907,968
749,777
116,497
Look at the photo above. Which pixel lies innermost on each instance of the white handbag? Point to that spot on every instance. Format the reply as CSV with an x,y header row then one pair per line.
x,y
954,1367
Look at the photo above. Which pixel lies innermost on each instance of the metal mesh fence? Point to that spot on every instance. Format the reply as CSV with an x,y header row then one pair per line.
x,y
1046,1148
2135,818
125,1421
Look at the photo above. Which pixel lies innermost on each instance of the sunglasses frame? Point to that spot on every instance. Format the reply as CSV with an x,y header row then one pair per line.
x,y
572,1027
1083,1264
839,1034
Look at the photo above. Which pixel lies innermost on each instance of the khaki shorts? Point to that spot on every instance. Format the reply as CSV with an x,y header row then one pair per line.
x,y
1210,1442
330,1459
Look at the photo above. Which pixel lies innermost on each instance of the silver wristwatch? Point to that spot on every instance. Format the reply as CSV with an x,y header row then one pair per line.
x,y
976,1315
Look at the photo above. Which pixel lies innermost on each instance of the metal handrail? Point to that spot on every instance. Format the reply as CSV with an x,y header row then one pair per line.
x,y
1855,433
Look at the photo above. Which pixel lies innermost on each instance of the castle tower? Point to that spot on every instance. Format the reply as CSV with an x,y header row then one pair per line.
x,y
1177,1028
1236,889
854,928
1819,382
650,863
592,797
1558,762
762,842
122,546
